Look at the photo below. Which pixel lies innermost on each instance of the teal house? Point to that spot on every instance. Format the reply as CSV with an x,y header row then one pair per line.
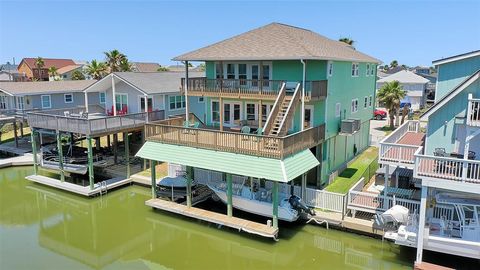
x,y
283,104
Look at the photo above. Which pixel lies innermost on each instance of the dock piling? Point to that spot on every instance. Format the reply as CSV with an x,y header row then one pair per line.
x,y
90,162
60,156
34,151
229,195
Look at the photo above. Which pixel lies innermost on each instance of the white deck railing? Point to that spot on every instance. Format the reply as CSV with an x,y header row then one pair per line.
x,y
393,152
446,168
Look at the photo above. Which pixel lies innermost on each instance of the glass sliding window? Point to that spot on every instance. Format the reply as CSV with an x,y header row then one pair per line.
x,y
226,113
230,71
215,111
142,104
251,114
242,74
20,103
236,112
254,75
266,75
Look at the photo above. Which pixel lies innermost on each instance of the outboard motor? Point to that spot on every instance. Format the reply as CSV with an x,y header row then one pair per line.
x,y
297,204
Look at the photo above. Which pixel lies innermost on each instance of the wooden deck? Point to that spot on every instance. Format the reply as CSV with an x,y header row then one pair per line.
x,y
213,217
404,149
78,189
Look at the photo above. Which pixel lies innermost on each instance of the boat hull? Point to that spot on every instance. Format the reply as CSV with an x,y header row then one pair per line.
x,y
257,207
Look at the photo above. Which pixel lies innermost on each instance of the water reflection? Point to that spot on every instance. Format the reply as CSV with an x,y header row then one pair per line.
x,y
118,231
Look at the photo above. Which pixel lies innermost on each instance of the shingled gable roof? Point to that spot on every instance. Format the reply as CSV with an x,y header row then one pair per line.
x,y
49,62
277,41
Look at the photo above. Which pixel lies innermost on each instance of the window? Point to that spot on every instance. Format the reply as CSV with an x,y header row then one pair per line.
x,y
142,103
254,75
215,111
121,102
370,101
354,105
102,97
338,109
46,101
354,69
330,68
201,99
3,102
218,71
266,75
177,102
20,103
372,69
365,102
308,116
230,71
242,73
368,70
68,98
251,114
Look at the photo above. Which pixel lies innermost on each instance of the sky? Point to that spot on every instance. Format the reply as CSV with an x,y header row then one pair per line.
x,y
411,32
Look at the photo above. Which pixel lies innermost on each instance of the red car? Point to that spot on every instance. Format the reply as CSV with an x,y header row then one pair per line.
x,y
379,114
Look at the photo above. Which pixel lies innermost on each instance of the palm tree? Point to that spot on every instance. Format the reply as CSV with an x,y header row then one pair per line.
x,y
77,75
113,59
162,68
393,64
96,69
39,64
125,65
349,41
53,72
390,94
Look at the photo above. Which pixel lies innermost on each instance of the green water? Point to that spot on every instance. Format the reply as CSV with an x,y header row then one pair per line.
x,y
43,228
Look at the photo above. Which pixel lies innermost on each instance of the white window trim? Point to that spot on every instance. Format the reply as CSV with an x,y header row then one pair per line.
x,y
181,106
365,102
249,69
49,101
339,112
140,97
121,94
21,103
211,111
370,101
312,114
100,97
65,98
203,101
329,68
246,111
368,70
355,71
354,105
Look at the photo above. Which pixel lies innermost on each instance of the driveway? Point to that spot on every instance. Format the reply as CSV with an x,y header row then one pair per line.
x,y
376,132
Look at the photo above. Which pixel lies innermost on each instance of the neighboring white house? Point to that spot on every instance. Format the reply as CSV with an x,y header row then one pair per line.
x,y
414,84
65,73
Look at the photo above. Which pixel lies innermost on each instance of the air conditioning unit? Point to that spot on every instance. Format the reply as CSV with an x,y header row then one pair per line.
x,y
350,126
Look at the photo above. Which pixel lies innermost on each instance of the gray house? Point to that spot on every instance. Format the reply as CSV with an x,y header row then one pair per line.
x,y
132,90
44,95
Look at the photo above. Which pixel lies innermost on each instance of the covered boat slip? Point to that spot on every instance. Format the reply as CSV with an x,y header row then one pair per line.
x,y
275,170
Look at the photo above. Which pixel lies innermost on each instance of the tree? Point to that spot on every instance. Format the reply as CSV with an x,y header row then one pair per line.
x,y
125,65
96,69
161,69
77,75
348,41
390,94
39,64
53,72
201,67
393,64
405,111
113,60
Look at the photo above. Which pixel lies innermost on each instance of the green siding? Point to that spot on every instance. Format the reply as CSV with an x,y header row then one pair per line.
x,y
452,74
260,167
442,124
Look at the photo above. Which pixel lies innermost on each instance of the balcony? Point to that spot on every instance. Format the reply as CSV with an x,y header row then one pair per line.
x,y
248,89
473,111
95,123
400,146
172,131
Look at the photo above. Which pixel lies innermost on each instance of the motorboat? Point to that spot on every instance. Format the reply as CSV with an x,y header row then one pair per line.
x,y
258,200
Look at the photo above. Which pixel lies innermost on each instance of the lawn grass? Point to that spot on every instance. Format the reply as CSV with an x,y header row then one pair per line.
x,y
351,175
9,135
161,171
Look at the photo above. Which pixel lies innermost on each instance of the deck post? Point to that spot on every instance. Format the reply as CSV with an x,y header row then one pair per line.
x,y
115,145
127,152
60,156
114,96
90,162
153,174
34,152
86,101
385,189
21,129
421,224
275,204
108,141
304,186
97,143
189,185
221,112
186,93
229,195
260,114
15,132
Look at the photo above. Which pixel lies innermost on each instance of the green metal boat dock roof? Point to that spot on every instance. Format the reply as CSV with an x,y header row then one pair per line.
x,y
260,167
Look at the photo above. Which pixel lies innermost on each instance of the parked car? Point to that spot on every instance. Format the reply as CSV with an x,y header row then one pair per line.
x,y
379,114
402,104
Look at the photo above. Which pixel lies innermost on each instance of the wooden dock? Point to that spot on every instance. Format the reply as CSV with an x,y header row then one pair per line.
x,y
430,266
213,217
78,189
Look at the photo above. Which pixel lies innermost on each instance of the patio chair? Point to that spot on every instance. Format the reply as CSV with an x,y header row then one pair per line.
x,y
440,152
472,155
243,123
245,130
66,113
84,115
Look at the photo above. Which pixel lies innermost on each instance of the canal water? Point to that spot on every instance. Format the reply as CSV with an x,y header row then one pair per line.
x,y
44,228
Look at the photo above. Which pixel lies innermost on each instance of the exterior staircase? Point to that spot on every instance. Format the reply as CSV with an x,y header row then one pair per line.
x,y
280,118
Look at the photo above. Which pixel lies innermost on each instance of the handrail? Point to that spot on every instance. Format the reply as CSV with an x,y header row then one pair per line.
x,y
275,108
292,101
402,130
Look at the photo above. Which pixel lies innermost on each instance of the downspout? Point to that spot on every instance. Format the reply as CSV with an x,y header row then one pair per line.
x,y
114,96
302,121
186,91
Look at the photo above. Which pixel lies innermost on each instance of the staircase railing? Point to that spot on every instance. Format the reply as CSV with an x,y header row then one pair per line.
x,y
275,109
290,111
